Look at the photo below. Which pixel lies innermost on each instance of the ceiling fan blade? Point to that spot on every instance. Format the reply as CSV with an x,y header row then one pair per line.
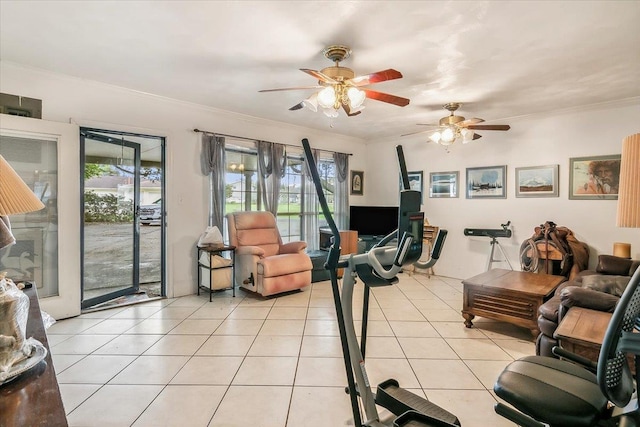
x,y
385,97
318,75
433,125
297,106
471,121
347,110
380,76
489,127
415,133
290,88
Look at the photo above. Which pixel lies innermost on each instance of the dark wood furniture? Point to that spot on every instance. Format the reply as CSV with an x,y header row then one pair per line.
x,y
33,398
582,330
216,250
507,295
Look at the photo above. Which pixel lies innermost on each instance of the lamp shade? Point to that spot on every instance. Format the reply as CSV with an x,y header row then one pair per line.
x,y
629,187
15,196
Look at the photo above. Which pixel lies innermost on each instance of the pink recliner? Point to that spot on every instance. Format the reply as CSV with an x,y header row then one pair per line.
x,y
263,263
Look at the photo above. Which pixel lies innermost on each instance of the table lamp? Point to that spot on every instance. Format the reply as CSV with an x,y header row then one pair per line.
x,y
629,188
15,198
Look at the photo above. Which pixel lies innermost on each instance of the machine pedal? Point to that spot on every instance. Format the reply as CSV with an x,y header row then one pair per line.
x,y
365,272
416,419
398,400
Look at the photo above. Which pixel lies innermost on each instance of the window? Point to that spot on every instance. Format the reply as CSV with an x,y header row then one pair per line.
x,y
242,189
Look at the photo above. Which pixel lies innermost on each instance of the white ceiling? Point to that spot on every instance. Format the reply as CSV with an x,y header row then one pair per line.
x,y
500,59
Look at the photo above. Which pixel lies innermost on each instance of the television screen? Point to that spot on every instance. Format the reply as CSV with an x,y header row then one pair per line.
x,y
373,220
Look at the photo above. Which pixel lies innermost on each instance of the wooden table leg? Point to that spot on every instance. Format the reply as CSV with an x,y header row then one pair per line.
x,y
468,317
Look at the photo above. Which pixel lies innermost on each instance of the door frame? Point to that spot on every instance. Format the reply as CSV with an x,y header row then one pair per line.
x,y
67,302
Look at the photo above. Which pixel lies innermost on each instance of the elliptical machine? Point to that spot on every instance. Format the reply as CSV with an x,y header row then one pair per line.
x,y
379,267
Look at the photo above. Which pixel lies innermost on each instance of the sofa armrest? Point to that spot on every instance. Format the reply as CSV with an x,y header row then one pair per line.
x,y
293,247
250,250
575,296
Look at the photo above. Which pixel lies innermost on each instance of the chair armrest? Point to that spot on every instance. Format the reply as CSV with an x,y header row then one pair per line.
x,y
293,247
575,296
250,250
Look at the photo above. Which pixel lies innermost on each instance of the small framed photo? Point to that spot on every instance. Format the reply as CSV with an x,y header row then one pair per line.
x,y
594,178
357,183
488,182
443,184
537,181
415,182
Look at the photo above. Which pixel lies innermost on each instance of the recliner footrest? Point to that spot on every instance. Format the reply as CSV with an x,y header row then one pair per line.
x,y
398,400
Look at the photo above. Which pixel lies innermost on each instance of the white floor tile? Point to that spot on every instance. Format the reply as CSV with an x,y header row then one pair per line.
x,y
276,345
208,370
196,406
129,344
196,327
266,371
74,394
114,405
226,345
176,345
81,344
309,407
244,406
321,371
151,370
94,369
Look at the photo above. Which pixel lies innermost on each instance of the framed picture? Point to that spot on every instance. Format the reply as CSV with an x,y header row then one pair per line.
x,y
596,177
443,184
487,182
415,182
537,181
357,183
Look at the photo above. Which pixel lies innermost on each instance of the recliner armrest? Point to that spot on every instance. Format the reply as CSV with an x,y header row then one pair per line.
x,y
250,250
293,247
575,296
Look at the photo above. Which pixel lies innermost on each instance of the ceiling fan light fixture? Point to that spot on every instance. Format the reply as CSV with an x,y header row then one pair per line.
x,y
435,137
356,97
311,102
327,97
448,136
467,135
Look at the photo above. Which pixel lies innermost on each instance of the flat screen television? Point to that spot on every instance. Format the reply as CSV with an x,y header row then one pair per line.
x,y
373,220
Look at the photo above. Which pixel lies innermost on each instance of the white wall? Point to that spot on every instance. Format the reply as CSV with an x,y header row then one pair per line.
x,y
95,104
550,138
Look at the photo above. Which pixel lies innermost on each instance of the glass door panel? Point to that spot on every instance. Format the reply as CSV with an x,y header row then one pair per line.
x,y
111,194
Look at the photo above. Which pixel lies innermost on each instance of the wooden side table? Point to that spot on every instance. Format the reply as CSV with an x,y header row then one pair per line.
x,y
507,295
582,330
216,250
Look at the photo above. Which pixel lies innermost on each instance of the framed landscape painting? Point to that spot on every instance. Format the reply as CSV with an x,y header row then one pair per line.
x,y
415,182
537,181
443,184
594,178
487,182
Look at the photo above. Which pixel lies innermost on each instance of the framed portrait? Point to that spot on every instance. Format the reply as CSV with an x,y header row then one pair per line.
x,y
594,178
537,181
415,182
443,184
357,183
487,182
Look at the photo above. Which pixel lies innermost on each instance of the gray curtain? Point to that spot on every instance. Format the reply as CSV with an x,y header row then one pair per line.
x,y
272,159
311,208
341,194
212,161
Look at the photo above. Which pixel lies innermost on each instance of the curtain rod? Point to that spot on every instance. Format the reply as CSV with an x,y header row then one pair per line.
x,y
254,139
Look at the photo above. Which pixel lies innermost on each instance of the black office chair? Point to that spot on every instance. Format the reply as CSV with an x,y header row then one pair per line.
x,y
549,392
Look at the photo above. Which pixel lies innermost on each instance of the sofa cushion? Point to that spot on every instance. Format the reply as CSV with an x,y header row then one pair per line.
x,y
609,264
614,285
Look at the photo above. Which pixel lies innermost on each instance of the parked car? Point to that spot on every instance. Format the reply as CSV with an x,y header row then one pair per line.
x,y
151,214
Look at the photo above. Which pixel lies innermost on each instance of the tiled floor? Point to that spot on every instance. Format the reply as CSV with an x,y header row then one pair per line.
x,y
250,361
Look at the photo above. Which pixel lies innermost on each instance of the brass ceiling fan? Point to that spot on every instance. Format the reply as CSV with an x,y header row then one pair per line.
x,y
452,128
341,88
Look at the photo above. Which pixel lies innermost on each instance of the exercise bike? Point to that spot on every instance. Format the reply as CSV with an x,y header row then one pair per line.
x,y
379,267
